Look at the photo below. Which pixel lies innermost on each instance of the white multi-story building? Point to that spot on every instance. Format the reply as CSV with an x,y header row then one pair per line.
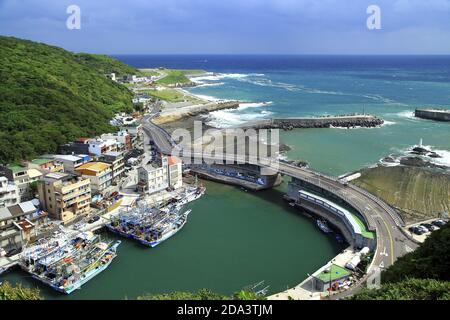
x,y
71,162
9,193
153,176
122,137
100,146
99,173
22,177
175,172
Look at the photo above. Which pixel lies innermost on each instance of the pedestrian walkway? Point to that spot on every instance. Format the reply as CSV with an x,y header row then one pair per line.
x,y
305,290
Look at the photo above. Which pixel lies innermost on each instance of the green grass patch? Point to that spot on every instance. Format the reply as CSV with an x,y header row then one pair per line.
x,y
172,95
149,72
173,77
335,272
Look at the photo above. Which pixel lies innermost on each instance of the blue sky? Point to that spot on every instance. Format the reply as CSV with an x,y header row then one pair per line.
x,y
233,26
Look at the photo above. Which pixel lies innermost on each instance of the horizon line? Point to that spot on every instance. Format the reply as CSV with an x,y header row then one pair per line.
x,y
277,54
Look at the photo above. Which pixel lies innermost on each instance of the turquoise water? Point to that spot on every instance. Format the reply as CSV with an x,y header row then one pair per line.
x,y
390,93
390,87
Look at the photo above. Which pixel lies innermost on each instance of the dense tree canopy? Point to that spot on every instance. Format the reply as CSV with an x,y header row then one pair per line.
x,y
49,96
430,261
202,294
411,289
9,292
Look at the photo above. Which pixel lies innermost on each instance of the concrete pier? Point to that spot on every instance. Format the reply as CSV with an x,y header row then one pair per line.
x,y
433,114
350,121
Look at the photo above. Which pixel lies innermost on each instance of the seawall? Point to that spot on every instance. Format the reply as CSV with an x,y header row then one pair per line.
x,y
433,114
353,121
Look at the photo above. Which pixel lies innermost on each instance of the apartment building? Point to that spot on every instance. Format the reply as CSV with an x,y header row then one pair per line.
x,y
153,176
122,137
9,193
22,177
99,146
65,196
117,162
46,164
175,172
71,162
17,223
99,173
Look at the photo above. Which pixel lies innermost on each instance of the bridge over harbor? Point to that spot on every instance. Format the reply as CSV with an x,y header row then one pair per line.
x,y
391,240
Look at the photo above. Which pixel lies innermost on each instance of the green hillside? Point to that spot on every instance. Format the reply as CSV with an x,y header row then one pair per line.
x,y
419,193
105,64
50,96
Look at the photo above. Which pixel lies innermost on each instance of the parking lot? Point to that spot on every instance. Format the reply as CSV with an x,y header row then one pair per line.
x,y
421,230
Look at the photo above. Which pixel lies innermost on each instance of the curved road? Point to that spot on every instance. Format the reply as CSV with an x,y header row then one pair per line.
x,y
380,217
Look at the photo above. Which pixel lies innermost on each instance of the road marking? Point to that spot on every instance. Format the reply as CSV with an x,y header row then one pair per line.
x,y
384,253
408,248
390,240
382,265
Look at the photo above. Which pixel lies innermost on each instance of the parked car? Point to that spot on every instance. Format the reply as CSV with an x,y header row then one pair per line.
x,y
439,223
429,226
417,230
422,227
2,252
93,219
13,252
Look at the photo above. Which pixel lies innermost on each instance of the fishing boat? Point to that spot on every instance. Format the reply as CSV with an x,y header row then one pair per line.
x,y
191,194
69,266
164,230
149,226
323,226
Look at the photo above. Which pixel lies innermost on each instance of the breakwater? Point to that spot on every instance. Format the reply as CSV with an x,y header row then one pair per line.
x,y
351,121
433,114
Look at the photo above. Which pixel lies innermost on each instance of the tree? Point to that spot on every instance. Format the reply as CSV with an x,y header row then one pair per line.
x,y
419,275
9,292
202,294
430,261
411,289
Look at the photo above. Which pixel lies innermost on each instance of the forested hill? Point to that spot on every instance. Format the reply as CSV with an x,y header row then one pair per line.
x,y
49,96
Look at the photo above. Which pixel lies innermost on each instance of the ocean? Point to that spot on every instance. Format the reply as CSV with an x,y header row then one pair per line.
x,y
390,87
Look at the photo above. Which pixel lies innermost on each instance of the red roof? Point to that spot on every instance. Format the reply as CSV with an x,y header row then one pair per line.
x,y
173,160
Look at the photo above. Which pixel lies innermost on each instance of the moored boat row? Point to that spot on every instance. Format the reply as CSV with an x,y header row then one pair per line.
x,y
66,263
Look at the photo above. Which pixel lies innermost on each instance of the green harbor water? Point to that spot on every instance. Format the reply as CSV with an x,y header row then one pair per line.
x,y
232,239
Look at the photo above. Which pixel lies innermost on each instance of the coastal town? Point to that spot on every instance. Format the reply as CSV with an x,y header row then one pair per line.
x,y
53,207
237,158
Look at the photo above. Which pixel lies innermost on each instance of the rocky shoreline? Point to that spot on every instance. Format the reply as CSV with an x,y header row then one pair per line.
x,y
194,110
353,121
